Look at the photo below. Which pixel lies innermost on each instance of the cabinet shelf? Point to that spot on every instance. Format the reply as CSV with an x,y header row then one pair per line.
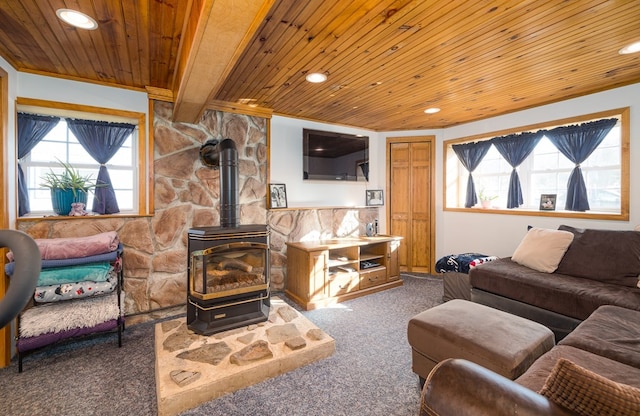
x,y
326,272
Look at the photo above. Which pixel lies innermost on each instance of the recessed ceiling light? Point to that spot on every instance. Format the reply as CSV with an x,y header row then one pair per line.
x,y
630,48
77,19
432,110
316,77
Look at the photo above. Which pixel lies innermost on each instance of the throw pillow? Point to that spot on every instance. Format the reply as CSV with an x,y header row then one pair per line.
x,y
542,249
587,393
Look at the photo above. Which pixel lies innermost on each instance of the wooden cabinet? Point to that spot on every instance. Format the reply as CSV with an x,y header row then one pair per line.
x,y
321,273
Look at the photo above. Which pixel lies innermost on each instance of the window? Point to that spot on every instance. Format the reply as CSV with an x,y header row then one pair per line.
x,y
61,145
127,168
546,171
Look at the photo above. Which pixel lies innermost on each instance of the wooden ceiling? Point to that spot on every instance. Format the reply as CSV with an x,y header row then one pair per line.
x,y
386,60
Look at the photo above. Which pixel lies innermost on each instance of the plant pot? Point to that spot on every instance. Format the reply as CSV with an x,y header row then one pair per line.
x,y
61,199
486,203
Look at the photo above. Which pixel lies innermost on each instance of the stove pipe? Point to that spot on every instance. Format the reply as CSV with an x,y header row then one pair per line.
x,y
223,155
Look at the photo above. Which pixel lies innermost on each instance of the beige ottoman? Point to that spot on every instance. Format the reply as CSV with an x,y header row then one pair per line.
x,y
504,343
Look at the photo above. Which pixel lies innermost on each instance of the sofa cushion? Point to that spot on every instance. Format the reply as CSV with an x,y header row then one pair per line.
x,y
535,377
587,393
571,296
611,332
542,249
611,256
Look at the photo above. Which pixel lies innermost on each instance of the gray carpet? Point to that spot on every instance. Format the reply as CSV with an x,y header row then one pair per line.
x,y
369,374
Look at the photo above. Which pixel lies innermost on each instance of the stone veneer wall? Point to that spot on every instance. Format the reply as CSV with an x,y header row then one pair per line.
x,y
186,195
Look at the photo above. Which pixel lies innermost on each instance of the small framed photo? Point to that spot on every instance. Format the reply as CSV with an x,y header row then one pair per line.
x,y
277,195
375,197
548,202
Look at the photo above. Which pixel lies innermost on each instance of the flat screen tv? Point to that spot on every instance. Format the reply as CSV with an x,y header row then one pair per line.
x,y
331,156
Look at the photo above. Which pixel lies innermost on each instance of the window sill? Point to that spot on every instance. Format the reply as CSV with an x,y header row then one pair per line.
x,y
535,213
53,217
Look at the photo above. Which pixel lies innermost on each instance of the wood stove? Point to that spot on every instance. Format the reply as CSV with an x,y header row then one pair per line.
x,y
228,266
228,278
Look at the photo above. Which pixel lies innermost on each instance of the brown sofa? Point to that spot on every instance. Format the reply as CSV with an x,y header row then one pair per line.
x,y
600,267
603,354
591,300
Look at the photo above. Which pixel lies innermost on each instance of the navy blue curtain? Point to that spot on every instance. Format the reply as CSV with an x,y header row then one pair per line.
x,y
577,142
102,140
31,129
515,148
470,155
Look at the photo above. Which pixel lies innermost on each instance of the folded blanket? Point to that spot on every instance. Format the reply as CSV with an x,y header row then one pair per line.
x,y
462,263
97,272
67,248
97,258
78,290
30,343
63,316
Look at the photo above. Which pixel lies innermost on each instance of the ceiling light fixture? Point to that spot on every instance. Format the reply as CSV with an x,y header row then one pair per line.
x,y
77,19
432,110
630,48
316,77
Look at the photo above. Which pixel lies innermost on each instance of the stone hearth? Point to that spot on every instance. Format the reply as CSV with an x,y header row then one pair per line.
x,y
192,369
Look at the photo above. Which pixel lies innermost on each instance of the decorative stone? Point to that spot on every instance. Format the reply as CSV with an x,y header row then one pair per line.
x,y
247,338
259,350
183,378
296,343
315,334
171,261
287,313
208,353
281,333
168,141
179,341
252,327
169,325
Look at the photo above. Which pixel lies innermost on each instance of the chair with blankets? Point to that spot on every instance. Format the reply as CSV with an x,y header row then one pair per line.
x,y
78,291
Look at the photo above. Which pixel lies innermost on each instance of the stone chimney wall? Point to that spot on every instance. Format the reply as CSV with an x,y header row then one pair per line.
x,y
186,195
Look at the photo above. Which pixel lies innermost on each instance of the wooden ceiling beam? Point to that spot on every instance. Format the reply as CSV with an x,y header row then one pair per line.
x,y
217,32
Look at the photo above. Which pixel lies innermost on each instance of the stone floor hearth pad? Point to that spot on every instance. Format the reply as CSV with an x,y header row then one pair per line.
x,y
192,369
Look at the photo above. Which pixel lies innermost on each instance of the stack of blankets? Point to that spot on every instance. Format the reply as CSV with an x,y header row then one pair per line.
x,y
78,290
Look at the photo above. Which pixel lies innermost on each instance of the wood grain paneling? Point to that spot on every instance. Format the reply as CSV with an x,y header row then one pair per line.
x,y
387,60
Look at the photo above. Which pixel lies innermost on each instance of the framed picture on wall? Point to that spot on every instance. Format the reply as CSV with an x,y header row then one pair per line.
x,y
277,195
375,197
548,202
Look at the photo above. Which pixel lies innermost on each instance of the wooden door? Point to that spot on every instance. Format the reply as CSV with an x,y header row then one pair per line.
x,y
5,333
410,175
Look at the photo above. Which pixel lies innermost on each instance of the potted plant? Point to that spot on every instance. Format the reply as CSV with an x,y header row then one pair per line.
x,y
67,187
485,199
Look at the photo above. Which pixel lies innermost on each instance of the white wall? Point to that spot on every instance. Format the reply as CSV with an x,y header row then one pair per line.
x,y
286,166
74,92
